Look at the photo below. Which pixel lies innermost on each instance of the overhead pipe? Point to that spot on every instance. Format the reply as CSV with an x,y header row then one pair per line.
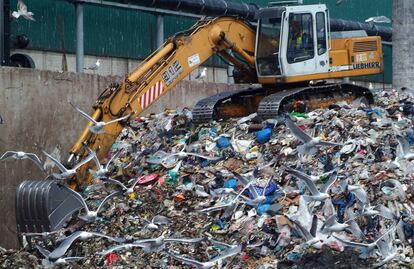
x,y
372,30
203,7
247,11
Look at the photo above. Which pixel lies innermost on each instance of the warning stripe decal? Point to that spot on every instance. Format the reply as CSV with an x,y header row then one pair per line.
x,y
153,93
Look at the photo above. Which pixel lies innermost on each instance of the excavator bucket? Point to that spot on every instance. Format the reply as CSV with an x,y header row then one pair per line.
x,y
43,206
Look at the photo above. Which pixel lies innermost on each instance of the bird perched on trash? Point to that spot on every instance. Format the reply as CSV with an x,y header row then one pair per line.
x,y
65,172
95,66
101,171
90,215
81,235
317,195
202,74
228,252
157,220
310,144
20,155
22,11
98,126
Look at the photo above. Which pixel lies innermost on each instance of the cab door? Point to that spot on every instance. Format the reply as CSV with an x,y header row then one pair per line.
x,y
305,40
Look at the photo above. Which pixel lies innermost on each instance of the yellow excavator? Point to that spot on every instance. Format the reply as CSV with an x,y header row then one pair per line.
x,y
290,47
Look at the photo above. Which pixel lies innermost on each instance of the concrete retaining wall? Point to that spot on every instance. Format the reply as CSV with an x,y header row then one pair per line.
x,y
35,107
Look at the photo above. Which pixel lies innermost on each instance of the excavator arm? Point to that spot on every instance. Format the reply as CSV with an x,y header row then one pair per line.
x,y
43,206
162,70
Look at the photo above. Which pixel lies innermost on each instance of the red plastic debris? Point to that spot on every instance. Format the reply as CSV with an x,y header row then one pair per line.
x,y
161,181
245,257
147,179
180,197
302,127
111,257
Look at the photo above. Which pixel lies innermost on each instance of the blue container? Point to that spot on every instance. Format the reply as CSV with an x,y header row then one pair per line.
x,y
264,135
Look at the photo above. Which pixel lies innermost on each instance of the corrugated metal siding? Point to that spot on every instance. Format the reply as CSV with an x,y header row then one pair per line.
x,y
132,34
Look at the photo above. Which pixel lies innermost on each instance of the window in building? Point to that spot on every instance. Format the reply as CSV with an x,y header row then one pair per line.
x,y
300,43
321,32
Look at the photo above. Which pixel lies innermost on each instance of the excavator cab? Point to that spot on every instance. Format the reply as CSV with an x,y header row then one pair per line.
x,y
292,41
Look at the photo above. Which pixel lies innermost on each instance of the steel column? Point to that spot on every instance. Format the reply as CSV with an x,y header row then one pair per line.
x,y
160,30
79,38
2,32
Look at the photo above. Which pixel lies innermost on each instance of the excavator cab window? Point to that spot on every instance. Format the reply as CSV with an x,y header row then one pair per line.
x,y
267,56
300,40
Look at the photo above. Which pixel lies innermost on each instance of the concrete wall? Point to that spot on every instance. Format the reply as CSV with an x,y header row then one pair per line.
x,y
35,107
110,66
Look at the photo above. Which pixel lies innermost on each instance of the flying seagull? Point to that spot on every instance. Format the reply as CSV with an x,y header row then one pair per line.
x,y
90,215
65,172
20,155
98,126
101,170
47,261
152,244
310,144
22,11
157,220
81,235
378,19
357,190
231,251
125,190
229,207
387,249
257,198
202,74
366,248
403,151
317,195
95,66
310,236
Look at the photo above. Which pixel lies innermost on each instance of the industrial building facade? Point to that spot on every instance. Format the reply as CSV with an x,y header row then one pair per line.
x,y
121,38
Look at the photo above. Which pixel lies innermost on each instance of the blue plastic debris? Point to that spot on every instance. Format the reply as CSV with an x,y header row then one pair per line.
x,y
264,135
270,189
370,111
293,256
220,222
270,209
213,132
343,204
231,183
223,142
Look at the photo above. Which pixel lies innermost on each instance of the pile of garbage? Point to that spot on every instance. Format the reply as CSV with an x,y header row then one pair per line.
x,y
332,188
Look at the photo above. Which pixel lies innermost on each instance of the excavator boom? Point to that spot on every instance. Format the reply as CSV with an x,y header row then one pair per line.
x,y
167,66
